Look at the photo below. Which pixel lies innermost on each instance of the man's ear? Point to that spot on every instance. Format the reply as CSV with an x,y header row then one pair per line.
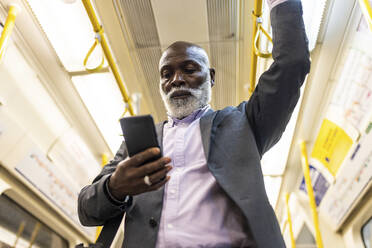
x,y
212,72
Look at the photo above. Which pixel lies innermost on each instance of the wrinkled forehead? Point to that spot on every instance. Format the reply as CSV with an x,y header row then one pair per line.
x,y
179,55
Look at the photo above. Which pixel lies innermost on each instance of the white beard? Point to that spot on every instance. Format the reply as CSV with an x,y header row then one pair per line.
x,y
180,108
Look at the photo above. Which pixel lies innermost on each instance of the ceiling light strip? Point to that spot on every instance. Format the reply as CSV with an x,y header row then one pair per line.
x,y
114,68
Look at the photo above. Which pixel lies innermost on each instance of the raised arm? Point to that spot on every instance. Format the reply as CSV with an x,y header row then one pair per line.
x,y
271,104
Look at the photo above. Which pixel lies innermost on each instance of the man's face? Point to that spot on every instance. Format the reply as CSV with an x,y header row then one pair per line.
x,y
185,80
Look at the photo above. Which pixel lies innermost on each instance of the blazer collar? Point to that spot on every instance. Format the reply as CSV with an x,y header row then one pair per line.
x,y
206,122
159,133
205,129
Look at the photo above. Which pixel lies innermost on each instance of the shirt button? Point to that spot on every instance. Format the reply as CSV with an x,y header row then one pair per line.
x,y
170,226
173,191
153,223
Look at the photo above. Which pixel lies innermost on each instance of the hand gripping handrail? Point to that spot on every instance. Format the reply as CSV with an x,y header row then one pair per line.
x,y
106,50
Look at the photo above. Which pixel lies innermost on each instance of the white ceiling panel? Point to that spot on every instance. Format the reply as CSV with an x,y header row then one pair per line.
x,y
181,20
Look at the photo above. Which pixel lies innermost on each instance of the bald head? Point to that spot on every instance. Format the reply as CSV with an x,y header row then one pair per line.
x,y
184,47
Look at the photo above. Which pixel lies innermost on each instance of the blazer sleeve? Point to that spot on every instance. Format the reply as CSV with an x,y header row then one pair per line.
x,y
275,97
95,206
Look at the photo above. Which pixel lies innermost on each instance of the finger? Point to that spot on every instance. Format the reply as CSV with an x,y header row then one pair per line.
x,y
152,167
159,175
159,184
142,157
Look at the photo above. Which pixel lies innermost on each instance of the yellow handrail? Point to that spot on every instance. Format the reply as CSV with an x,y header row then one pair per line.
x,y
106,50
19,233
100,66
289,219
103,163
310,193
257,27
257,12
8,27
34,234
367,11
257,45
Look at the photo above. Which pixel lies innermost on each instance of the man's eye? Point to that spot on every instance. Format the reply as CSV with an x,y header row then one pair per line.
x,y
166,74
189,70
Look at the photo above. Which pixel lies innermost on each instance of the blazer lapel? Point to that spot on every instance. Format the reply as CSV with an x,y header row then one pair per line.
x,y
206,122
159,133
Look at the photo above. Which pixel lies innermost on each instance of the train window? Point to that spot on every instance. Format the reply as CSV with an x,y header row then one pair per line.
x,y
17,222
367,233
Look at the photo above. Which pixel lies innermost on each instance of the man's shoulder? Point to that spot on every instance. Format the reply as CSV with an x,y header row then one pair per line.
x,y
233,109
219,115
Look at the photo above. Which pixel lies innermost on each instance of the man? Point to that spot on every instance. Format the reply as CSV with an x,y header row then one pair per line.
x,y
208,189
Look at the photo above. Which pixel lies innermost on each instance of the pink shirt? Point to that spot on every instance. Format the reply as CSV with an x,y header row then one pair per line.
x,y
196,212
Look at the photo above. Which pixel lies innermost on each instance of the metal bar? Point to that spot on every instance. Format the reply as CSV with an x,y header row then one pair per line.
x,y
106,50
34,234
85,72
310,193
103,163
289,219
8,27
367,11
273,175
104,159
257,12
19,232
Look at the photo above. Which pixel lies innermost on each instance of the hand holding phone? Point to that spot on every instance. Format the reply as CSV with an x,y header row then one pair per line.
x,y
145,160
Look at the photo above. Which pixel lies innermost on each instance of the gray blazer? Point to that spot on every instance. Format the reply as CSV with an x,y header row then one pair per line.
x,y
234,140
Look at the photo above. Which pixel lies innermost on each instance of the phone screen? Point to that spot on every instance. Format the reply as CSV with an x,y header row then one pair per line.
x,y
139,133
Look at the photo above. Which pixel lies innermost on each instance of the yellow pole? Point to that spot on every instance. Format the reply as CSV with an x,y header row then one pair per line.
x,y
310,193
256,14
8,27
284,226
19,233
34,234
293,243
104,159
367,11
106,50
103,163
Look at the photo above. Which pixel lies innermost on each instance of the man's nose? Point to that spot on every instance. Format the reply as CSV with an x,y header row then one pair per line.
x,y
177,80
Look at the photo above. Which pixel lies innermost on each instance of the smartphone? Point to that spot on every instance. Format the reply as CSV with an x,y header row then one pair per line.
x,y
139,134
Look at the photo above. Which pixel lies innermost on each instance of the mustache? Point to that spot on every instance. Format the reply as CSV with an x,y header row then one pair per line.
x,y
193,92
181,88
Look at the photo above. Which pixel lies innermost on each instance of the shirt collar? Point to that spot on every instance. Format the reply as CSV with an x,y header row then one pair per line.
x,y
190,118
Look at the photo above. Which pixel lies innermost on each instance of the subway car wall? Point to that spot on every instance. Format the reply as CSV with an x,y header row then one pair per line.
x,y
66,78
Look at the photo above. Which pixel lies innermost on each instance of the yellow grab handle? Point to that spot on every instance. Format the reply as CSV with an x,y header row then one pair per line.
x,y
8,27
